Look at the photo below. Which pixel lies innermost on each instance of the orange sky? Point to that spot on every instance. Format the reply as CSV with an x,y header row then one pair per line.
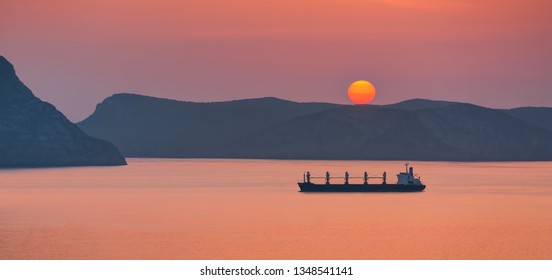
x,y
74,53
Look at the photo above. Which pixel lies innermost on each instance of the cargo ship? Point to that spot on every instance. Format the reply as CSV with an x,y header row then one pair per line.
x,y
406,182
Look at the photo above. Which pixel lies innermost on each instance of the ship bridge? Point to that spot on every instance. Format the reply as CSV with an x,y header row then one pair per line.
x,y
407,177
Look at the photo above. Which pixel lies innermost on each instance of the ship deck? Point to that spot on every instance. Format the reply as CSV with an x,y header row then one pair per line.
x,y
310,187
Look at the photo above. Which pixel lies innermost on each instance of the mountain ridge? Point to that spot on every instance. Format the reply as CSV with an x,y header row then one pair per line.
x,y
415,129
35,133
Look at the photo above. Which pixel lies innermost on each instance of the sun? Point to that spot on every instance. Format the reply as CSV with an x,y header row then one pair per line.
x,y
362,92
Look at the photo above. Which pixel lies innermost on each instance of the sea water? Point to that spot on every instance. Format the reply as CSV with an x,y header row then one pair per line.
x,y
251,209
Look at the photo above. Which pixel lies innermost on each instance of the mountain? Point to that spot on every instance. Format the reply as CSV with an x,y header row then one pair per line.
x,y
419,104
415,129
539,116
459,132
143,126
34,133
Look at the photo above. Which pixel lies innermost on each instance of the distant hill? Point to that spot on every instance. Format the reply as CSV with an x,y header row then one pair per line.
x,y
458,132
538,116
153,127
420,104
415,129
34,133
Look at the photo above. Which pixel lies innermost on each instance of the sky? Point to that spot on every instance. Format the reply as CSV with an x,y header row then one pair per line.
x,y
75,53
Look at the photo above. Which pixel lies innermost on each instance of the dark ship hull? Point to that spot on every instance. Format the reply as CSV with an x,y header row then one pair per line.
x,y
310,187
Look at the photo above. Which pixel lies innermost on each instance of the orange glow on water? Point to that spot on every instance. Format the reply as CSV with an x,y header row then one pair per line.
x,y
251,209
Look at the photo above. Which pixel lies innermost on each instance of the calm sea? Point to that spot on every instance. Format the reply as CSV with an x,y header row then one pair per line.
x,y
251,209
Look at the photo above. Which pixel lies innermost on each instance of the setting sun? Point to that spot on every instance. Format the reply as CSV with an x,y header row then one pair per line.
x,y
361,92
